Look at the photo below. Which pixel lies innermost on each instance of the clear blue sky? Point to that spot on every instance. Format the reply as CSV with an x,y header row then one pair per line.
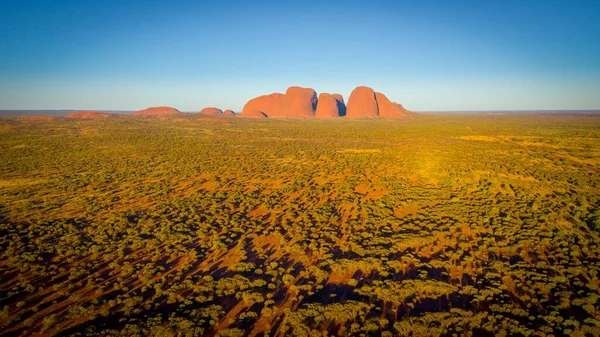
x,y
427,55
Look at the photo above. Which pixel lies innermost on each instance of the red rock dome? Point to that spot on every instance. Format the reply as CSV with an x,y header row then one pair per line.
x,y
253,114
362,103
327,107
388,109
157,111
211,111
299,102
270,105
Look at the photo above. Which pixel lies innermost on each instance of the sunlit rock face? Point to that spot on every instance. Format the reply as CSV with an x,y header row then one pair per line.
x,y
157,111
269,105
327,106
253,114
299,102
389,109
362,103
211,111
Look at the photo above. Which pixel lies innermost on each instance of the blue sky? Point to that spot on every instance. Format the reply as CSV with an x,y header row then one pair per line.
x,y
427,55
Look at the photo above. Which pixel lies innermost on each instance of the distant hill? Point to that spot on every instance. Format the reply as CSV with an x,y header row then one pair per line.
x,y
20,113
532,112
58,113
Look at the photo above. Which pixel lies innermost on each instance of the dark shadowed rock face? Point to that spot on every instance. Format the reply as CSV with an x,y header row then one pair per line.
x,y
327,106
362,103
253,114
89,115
340,103
211,111
228,113
388,109
299,102
157,111
270,105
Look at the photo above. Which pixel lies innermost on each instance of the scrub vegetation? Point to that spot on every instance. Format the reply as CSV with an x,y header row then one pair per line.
x,y
438,226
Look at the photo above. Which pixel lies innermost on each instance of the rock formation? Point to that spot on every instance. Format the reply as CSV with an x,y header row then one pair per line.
x,y
328,106
388,109
253,114
157,111
211,111
270,105
299,103
362,103
338,97
89,115
228,113
341,104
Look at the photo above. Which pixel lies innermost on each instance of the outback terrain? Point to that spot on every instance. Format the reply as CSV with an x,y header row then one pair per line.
x,y
187,225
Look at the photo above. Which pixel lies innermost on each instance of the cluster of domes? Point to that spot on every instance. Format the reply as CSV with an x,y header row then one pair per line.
x,y
300,102
216,112
297,102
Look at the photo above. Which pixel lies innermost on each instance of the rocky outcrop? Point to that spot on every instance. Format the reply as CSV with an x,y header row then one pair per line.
x,y
89,115
216,112
340,103
253,114
269,105
362,103
211,111
365,103
328,106
389,109
299,103
157,111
